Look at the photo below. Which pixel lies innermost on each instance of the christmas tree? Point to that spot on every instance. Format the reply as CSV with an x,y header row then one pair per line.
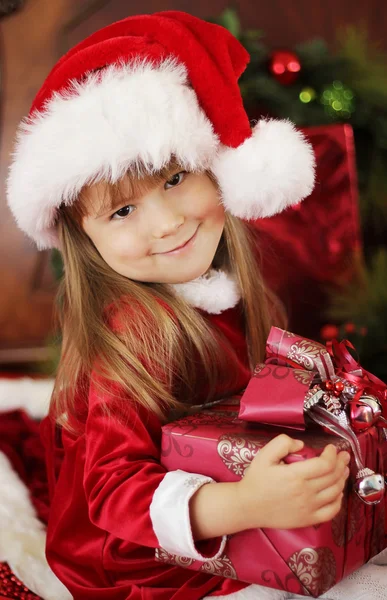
x,y
311,84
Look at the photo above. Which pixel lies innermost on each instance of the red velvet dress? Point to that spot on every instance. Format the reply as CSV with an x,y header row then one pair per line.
x,y
100,540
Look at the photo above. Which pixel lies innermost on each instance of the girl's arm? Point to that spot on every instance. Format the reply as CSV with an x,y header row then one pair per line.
x,y
128,492
273,494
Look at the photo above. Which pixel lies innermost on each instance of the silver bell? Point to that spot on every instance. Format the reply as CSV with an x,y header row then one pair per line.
x,y
370,488
365,412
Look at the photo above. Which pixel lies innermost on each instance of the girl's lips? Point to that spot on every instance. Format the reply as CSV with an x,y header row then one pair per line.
x,y
188,244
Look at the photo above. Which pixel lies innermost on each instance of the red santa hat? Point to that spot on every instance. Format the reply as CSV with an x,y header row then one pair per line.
x,y
137,92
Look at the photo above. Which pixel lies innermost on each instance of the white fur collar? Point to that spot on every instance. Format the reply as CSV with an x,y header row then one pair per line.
x,y
213,292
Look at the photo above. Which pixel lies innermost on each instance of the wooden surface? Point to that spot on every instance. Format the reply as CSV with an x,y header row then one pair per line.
x,y
31,42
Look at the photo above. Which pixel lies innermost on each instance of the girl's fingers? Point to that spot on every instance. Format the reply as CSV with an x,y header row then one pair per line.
x,y
323,465
329,494
322,483
279,447
344,456
319,466
329,511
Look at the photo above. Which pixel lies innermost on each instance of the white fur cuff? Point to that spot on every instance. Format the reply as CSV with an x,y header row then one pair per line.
x,y
170,517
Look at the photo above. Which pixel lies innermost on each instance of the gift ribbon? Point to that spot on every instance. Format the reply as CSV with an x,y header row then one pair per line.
x,y
332,361
335,364
289,388
348,368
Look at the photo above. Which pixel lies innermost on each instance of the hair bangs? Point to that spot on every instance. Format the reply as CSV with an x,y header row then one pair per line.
x,y
108,197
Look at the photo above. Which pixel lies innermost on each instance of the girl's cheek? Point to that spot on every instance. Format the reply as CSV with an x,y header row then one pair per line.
x,y
127,246
214,211
202,208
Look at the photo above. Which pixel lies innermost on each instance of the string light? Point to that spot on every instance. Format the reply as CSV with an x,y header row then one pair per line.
x,y
338,100
307,95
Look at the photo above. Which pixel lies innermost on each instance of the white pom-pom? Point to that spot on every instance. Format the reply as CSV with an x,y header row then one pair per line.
x,y
271,170
214,292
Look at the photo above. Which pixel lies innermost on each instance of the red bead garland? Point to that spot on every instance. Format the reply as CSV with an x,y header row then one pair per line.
x,y
336,387
339,386
11,587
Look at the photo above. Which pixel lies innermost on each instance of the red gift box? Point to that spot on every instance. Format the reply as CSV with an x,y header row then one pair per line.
x,y
220,444
318,241
308,561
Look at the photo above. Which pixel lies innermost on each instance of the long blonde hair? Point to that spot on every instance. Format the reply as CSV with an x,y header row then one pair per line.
x,y
150,355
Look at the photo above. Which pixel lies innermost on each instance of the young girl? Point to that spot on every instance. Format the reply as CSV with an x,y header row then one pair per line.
x,y
138,161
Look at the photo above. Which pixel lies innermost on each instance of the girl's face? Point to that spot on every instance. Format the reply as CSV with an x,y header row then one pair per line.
x,y
169,234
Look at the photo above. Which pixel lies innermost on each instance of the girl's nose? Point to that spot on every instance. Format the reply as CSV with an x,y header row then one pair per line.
x,y
165,221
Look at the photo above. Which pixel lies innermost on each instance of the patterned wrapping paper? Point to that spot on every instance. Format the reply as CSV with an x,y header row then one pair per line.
x,y
297,351
307,561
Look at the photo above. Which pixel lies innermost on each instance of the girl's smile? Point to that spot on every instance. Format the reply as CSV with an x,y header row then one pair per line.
x,y
183,247
169,233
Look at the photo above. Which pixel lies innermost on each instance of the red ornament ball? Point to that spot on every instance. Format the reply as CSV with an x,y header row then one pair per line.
x,y
349,328
329,332
285,66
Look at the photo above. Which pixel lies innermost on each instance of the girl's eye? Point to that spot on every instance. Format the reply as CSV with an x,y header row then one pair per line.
x,y
175,180
123,212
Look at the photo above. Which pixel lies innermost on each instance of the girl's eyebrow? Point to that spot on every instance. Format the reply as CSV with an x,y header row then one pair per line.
x,y
114,206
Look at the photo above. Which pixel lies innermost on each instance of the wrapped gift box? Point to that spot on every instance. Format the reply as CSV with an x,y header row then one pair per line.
x,y
308,561
318,240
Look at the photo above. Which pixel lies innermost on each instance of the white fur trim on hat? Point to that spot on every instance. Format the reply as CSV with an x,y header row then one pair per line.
x,y
271,170
124,115
213,292
23,537
31,395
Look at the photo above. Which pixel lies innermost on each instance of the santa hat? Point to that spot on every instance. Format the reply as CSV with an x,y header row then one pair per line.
x,y
137,92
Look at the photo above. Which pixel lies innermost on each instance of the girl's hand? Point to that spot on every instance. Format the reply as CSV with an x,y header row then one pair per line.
x,y
286,496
